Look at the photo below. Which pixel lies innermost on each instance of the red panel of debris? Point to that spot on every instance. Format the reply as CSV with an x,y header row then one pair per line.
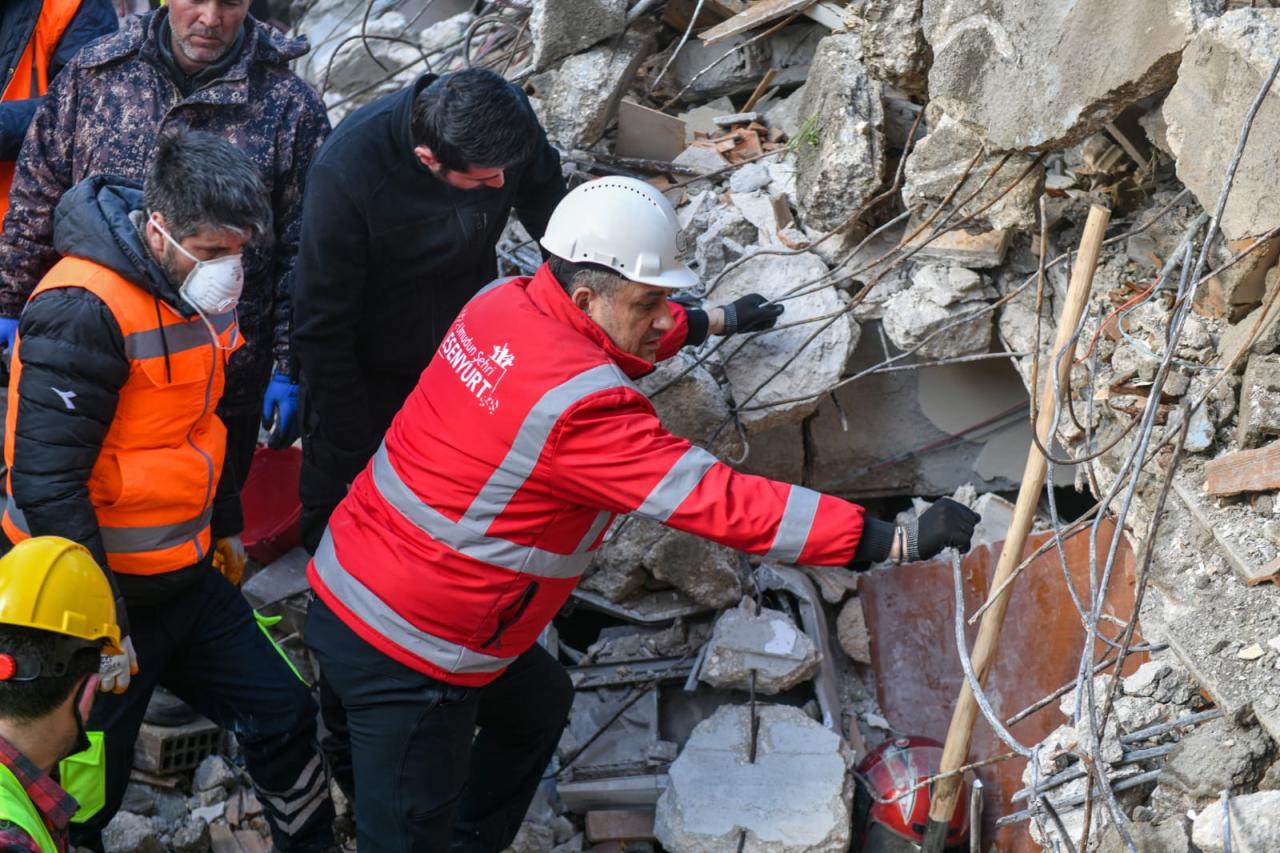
x,y
910,617
270,502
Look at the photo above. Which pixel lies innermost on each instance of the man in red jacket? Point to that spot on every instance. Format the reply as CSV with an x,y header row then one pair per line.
x,y
523,440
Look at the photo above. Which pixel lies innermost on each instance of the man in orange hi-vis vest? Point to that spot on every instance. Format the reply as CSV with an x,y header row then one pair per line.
x,y
112,441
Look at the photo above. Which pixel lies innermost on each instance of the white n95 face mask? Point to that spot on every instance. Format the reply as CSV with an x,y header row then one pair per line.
x,y
212,287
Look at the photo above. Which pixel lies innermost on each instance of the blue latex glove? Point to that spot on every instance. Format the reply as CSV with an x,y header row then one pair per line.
x,y
280,412
8,331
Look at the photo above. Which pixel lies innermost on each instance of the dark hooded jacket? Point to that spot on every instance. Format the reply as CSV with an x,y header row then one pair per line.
x,y
102,116
70,339
18,20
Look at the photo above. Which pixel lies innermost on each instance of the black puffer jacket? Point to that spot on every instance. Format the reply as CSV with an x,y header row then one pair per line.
x,y
70,340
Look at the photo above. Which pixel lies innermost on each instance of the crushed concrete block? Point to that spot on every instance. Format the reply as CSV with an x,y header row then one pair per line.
x,y
976,250
940,295
726,238
131,833
851,631
997,515
533,837
894,48
739,73
1144,679
1221,72
807,358
1239,288
1035,76
769,643
843,166
1255,824
1156,128
690,402
1238,335
587,87
706,572
758,210
568,26
702,159
213,772
939,160
1259,414
788,114
795,798
191,837
749,178
617,570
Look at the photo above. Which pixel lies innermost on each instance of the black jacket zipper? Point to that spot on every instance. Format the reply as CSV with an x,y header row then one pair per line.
x,y
511,615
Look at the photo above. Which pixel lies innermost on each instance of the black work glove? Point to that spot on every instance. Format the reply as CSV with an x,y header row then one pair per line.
x,y
751,313
943,525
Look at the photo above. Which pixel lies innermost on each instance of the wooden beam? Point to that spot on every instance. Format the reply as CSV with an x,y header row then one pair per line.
x,y
755,15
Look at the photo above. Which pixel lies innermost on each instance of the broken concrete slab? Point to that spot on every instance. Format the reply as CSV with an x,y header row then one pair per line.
x,y
766,643
894,47
708,573
1261,326
1255,824
1258,418
690,402
617,570
1221,72
997,515
725,239
1217,756
735,75
131,833
788,114
938,163
940,296
1036,76
586,89
842,166
795,798
774,373
976,249
851,631
568,26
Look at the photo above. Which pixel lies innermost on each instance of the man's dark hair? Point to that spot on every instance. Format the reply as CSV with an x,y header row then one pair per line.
x,y
474,117
198,180
25,701
604,281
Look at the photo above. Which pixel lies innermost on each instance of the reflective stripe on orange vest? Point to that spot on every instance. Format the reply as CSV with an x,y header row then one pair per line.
x,y
153,483
30,75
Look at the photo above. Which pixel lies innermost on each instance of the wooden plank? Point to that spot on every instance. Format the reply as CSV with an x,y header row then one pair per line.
x,y
830,15
1202,511
678,12
1244,471
759,13
648,134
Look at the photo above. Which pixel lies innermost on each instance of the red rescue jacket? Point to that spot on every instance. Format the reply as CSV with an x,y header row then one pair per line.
x,y
523,440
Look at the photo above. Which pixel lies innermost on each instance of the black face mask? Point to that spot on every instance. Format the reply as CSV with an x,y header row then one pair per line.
x,y
82,738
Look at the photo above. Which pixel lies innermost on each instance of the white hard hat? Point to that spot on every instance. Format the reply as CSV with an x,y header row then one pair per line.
x,y
623,224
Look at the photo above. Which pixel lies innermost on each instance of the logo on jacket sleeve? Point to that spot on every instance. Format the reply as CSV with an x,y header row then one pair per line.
x,y
478,371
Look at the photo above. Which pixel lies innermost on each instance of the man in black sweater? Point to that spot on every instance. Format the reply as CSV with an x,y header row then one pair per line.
x,y
405,204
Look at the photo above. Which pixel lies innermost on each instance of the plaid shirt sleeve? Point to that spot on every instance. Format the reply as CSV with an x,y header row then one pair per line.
x,y
13,838
53,803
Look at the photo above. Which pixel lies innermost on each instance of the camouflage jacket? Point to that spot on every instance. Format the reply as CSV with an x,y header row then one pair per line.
x,y
103,115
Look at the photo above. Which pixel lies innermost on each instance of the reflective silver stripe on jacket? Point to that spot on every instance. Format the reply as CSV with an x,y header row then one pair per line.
x,y
178,337
466,536
797,521
523,456
136,540
386,622
677,484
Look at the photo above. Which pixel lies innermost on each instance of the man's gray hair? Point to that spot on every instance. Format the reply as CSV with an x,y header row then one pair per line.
x,y
599,279
199,180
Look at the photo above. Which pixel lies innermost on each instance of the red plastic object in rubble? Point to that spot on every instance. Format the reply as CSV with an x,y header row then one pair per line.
x,y
270,503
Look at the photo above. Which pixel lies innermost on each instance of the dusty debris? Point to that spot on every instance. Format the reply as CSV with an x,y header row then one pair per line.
x,y
1254,826
1037,76
894,46
1205,116
765,648
794,798
559,29
939,297
851,630
1258,418
840,157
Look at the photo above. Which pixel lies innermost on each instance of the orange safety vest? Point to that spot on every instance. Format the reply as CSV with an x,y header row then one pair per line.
x,y
29,77
153,483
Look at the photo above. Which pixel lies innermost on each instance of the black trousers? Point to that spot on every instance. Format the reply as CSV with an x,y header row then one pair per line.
x,y
328,464
425,781
204,645
242,440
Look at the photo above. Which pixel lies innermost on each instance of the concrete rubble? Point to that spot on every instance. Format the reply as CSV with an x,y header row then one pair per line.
x,y
1068,103
764,649
795,796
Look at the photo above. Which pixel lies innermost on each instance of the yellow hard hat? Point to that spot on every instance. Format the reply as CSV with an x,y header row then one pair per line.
x,y
53,584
